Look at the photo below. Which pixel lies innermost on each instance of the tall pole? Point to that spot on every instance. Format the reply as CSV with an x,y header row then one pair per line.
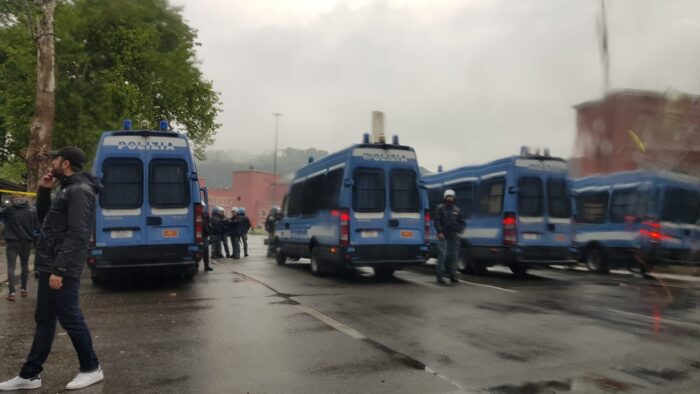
x,y
274,155
604,46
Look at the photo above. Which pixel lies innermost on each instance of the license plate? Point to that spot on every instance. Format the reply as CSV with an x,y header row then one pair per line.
x,y
560,237
369,234
169,233
407,234
121,234
531,236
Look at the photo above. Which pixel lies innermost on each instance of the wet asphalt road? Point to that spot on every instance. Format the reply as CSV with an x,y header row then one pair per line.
x,y
253,326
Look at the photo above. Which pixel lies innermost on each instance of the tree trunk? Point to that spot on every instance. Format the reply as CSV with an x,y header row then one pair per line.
x,y
42,123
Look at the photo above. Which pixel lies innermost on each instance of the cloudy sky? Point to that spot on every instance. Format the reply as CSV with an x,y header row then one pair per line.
x,y
462,81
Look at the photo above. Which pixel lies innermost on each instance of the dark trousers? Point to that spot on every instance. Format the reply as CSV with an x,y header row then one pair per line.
x,y
224,239
244,240
22,249
61,304
236,245
205,251
448,253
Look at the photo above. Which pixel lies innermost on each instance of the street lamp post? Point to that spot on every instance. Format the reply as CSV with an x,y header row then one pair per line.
x,y
274,160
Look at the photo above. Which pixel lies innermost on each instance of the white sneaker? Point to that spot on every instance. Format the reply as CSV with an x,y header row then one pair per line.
x,y
85,379
18,383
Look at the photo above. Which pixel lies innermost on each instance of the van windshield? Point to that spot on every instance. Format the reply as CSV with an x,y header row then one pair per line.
x,y
681,206
404,191
123,183
369,190
169,186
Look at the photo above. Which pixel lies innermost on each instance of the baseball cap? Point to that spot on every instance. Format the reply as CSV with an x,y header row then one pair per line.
x,y
71,153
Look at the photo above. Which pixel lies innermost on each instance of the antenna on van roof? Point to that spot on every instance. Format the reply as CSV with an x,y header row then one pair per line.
x,y
365,138
440,168
395,139
546,152
311,159
524,150
378,127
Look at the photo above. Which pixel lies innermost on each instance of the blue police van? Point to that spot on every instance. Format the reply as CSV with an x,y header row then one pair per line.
x,y
637,219
362,206
518,212
150,210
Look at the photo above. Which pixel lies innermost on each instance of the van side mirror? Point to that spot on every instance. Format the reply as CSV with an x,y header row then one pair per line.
x,y
348,182
513,190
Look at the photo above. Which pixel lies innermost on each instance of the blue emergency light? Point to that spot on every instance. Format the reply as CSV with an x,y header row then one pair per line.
x,y
163,125
126,125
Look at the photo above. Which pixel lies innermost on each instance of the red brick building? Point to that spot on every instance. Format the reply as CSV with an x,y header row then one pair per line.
x,y
252,190
631,129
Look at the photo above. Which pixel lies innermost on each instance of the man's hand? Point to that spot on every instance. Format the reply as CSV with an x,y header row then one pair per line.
x,y
441,236
47,181
56,282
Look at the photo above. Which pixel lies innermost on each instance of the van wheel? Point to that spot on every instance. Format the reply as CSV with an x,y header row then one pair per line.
x,y
280,258
595,261
519,270
318,267
190,272
384,272
469,265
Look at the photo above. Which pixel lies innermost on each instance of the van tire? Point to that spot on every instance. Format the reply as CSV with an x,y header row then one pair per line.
x,y
519,270
318,266
595,260
469,265
383,272
280,258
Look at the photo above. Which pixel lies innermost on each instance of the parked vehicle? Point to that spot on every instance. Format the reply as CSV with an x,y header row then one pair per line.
x,y
518,212
637,219
149,213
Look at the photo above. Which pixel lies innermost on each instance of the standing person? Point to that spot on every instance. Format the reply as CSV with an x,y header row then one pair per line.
x,y
244,226
21,223
217,230
270,222
61,253
234,232
449,224
206,233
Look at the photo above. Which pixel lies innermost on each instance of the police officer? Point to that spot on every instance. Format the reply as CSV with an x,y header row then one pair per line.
x,y
217,226
233,230
449,224
244,226
206,235
270,222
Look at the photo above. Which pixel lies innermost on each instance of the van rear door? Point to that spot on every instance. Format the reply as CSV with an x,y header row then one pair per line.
x,y
559,213
532,227
404,209
119,219
170,214
679,214
368,218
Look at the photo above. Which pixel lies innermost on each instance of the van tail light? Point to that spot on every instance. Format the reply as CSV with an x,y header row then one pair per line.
x,y
652,231
344,220
198,224
510,229
426,229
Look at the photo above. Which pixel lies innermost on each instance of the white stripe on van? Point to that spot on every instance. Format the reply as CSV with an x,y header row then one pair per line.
x,y
459,180
121,212
380,154
335,167
530,220
169,211
592,189
140,143
480,233
317,173
684,226
300,179
560,220
405,215
433,186
369,215
493,175
606,236
626,185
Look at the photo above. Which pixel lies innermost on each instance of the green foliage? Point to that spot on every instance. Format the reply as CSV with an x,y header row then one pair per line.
x,y
114,59
13,170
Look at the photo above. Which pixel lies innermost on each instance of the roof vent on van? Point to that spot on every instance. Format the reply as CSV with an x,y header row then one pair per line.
x,y
546,152
311,159
440,168
395,139
524,150
365,138
126,124
378,127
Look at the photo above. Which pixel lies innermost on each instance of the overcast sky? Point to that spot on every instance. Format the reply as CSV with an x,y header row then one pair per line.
x,y
463,82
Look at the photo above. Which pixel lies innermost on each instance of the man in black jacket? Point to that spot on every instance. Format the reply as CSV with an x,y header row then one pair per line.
x,y
449,224
244,226
61,253
20,225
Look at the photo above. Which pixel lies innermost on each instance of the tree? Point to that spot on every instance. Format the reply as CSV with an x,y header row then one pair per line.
x,y
115,59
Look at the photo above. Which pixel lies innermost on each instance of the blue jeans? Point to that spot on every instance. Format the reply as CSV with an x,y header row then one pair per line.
x,y
448,251
61,304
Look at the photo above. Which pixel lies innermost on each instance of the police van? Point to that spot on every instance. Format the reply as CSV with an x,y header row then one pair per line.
x,y
362,206
637,219
149,212
518,212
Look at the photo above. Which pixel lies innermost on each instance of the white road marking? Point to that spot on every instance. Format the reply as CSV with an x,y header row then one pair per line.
x,y
349,331
489,286
652,318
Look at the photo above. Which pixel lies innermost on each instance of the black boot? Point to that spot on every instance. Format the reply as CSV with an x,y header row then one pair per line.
x,y
453,279
441,281
208,268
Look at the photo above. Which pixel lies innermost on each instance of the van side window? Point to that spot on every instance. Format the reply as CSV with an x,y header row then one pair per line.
x,y
369,190
169,185
680,206
285,204
434,198
625,203
294,207
530,197
332,187
123,183
465,197
491,197
558,199
592,207
312,195
404,191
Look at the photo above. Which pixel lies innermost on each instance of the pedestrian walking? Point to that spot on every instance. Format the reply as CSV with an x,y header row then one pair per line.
x,y
449,224
21,225
234,232
271,220
244,226
62,250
